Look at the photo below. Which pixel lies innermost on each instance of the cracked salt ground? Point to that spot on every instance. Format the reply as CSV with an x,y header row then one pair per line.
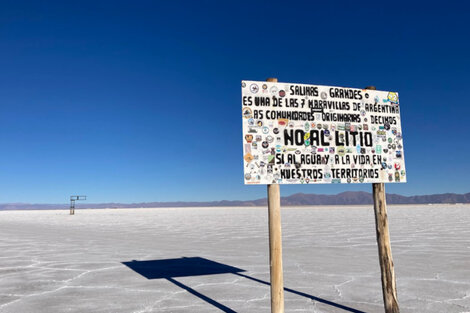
x,y
53,262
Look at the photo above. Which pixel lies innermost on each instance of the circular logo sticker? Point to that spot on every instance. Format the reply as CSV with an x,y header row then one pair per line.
x,y
247,112
248,157
341,151
282,93
254,88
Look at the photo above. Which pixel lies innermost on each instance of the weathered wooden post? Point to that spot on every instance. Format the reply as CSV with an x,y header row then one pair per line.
x,y
389,288
275,245
72,206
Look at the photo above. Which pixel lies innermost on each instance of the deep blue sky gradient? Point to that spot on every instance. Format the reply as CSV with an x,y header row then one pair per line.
x,y
141,100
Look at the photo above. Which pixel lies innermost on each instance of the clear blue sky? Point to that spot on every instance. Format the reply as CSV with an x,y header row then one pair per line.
x,y
140,100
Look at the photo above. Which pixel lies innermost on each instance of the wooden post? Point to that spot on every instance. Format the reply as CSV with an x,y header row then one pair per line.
x,y
275,249
389,288
275,245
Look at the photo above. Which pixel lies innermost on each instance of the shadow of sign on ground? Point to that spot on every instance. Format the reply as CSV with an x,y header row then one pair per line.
x,y
170,269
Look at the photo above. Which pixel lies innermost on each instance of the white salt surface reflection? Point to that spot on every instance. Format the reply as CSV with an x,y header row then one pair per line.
x,y
53,262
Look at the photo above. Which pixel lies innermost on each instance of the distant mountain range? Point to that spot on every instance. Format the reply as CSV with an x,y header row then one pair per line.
x,y
344,198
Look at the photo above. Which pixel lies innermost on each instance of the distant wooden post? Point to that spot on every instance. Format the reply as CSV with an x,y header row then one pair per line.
x,y
72,206
275,245
389,288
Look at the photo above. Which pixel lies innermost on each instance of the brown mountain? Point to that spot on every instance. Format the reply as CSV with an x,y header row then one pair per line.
x,y
344,198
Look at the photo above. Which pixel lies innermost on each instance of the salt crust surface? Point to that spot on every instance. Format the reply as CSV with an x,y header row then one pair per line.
x,y
53,262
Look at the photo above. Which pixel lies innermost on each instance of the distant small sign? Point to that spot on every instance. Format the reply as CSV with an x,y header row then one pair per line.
x,y
300,134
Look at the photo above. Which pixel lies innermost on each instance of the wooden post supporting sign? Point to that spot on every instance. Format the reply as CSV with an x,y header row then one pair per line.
x,y
275,245
389,289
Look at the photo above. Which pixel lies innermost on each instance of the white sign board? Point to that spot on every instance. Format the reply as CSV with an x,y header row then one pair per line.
x,y
296,134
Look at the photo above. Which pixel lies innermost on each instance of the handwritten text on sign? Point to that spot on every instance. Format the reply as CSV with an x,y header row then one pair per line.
x,y
295,134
